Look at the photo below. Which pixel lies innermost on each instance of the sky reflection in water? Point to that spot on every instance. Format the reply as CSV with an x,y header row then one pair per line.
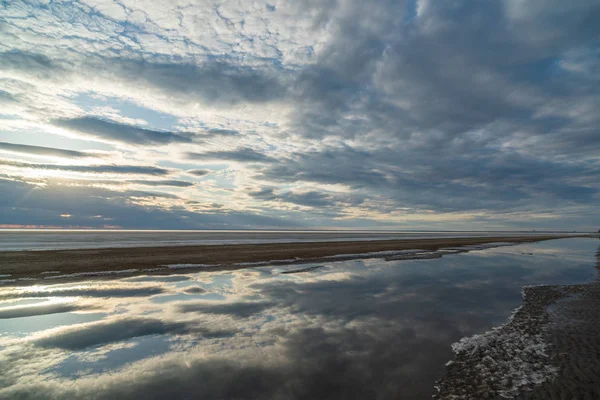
x,y
351,330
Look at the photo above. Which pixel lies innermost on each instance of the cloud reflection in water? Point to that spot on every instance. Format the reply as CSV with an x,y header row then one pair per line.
x,y
355,329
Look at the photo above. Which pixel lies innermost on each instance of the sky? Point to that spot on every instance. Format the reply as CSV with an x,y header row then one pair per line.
x,y
419,114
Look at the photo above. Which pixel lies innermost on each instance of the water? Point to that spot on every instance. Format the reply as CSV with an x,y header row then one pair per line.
x,y
356,329
12,239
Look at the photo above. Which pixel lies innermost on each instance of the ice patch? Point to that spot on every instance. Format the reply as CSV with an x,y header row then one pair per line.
x,y
180,266
96,273
425,255
373,254
508,359
252,264
5,275
307,269
515,359
483,246
49,272
285,261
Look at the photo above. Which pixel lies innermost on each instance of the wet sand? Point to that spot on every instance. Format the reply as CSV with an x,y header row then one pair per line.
x,y
549,349
19,265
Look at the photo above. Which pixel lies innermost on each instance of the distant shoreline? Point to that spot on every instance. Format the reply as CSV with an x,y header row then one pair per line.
x,y
34,267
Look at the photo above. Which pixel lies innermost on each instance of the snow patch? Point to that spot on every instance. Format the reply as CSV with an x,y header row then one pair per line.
x,y
154,269
96,273
180,266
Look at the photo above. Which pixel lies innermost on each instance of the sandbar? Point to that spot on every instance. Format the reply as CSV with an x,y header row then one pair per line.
x,y
23,267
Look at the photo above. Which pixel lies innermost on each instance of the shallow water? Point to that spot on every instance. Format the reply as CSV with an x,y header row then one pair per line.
x,y
29,239
350,330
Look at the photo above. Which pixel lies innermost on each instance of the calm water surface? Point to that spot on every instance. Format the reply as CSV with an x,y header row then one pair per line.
x,y
363,329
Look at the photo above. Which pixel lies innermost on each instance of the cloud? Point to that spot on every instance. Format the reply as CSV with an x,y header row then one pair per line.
x,y
46,151
173,183
94,169
215,132
240,310
100,291
490,180
309,198
96,333
115,131
42,309
213,82
416,110
108,182
245,155
40,65
198,172
29,204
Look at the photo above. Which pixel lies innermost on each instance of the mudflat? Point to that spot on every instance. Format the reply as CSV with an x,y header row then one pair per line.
x,y
30,264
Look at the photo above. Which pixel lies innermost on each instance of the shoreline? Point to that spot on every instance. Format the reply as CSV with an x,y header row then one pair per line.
x,y
53,266
548,349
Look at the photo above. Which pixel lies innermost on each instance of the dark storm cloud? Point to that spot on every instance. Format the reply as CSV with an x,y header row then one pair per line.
x,y
120,132
245,154
46,151
95,169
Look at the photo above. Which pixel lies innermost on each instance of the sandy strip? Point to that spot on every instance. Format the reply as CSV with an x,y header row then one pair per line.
x,y
31,264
